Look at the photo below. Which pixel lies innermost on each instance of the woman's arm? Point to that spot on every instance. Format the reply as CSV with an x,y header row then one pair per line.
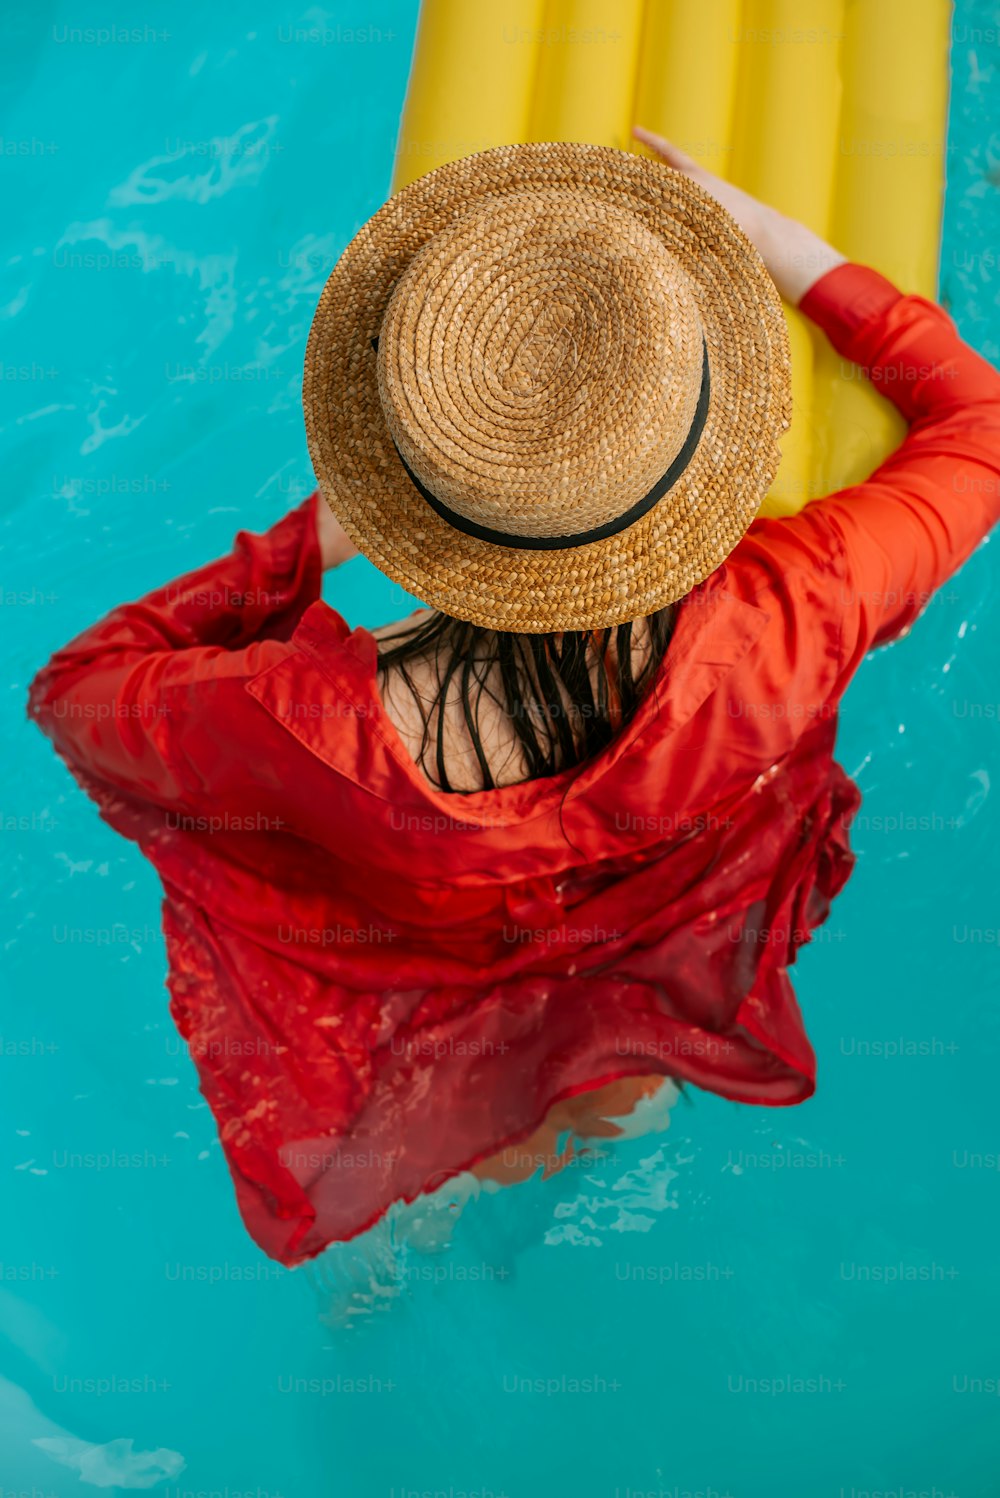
x,y
125,700
920,514
907,528
335,546
794,255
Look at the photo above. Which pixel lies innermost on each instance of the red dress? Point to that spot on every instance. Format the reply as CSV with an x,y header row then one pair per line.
x,y
380,983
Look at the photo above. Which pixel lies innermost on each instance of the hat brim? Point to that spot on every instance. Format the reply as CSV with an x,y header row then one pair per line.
x,y
661,556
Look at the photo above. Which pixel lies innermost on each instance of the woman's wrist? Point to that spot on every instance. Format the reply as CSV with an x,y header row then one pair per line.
x,y
796,257
335,546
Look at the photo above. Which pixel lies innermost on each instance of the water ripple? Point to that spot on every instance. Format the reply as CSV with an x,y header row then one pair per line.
x,y
196,171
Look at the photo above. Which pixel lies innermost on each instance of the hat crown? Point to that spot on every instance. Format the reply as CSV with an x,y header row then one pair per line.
x,y
540,363
535,313
538,358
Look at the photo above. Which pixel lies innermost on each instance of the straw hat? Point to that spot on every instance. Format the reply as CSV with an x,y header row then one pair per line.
x,y
544,387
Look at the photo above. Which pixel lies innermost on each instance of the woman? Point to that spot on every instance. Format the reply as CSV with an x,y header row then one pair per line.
x,y
437,890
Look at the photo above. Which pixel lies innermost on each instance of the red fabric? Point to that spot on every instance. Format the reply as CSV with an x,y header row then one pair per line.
x,y
381,984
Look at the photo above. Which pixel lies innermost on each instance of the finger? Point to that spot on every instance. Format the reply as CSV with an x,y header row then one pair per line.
x,y
591,1126
664,148
554,1164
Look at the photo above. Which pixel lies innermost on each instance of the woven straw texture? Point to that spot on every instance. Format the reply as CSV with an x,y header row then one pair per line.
x,y
539,313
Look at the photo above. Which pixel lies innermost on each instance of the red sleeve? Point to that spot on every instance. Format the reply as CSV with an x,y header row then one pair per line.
x,y
907,528
123,702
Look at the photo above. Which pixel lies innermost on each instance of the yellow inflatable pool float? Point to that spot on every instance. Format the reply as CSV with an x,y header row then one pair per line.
x,y
832,110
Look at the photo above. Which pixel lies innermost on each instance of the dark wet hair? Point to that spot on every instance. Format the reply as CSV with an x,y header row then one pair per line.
x,y
544,684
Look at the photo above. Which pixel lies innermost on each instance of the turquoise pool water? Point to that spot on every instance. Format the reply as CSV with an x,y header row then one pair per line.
x,y
764,1304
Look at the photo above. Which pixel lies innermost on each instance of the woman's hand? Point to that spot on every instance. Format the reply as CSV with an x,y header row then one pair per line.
x,y
795,256
334,544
